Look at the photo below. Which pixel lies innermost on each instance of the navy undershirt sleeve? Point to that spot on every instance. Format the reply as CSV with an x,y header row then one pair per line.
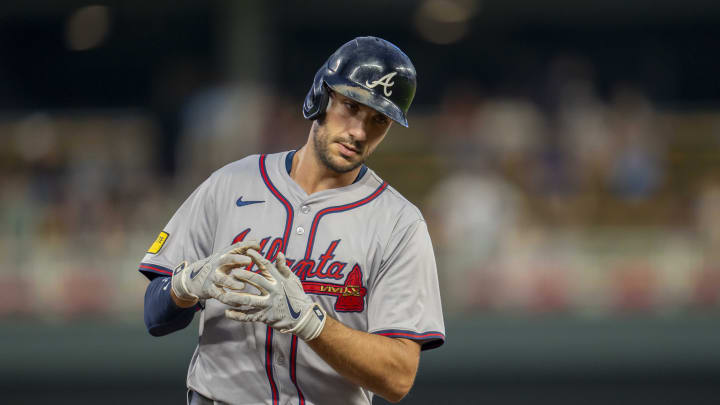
x,y
162,316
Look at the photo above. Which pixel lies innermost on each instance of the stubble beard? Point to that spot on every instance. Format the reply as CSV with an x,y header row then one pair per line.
x,y
321,141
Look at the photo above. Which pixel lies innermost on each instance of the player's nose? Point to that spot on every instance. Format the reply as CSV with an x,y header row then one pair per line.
x,y
357,127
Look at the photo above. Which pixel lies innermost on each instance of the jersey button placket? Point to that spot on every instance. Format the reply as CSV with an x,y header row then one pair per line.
x,y
304,209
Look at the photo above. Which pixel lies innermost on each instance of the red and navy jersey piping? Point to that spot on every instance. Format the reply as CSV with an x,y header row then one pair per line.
x,y
151,271
268,364
308,253
286,236
339,208
284,201
431,339
293,368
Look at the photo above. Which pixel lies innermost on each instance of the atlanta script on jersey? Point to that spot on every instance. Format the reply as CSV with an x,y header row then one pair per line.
x,y
362,251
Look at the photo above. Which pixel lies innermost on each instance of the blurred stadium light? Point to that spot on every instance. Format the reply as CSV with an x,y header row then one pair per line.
x,y
87,27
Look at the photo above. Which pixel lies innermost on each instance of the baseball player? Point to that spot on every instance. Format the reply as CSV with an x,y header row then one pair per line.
x,y
315,280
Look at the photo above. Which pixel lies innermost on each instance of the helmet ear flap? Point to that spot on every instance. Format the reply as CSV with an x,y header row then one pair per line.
x,y
317,98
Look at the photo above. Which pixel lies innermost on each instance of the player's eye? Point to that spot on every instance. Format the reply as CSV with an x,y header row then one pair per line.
x,y
353,107
381,119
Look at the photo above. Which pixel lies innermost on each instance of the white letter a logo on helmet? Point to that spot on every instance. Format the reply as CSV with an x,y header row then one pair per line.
x,y
383,81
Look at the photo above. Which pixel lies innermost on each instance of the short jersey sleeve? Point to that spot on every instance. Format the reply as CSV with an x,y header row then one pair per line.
x,y
404,301
188,236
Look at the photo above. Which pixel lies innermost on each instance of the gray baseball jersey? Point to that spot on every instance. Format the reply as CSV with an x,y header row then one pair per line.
x,y
362,252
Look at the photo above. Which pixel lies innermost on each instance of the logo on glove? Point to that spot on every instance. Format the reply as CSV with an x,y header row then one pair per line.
x,y
180,267
318,312
294,314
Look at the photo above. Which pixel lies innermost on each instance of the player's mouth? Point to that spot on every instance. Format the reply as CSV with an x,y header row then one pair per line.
x,y
347,150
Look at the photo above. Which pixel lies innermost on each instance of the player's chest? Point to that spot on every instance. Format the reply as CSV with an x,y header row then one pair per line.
x,y
333,252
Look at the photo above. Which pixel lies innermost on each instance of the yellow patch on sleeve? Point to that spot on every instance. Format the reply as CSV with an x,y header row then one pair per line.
x,y
159,242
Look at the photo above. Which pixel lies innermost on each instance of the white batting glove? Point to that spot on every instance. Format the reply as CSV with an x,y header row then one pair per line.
x,y
204,278
282,304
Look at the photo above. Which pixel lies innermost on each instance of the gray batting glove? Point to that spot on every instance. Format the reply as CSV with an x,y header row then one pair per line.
x,y
204,278
282,304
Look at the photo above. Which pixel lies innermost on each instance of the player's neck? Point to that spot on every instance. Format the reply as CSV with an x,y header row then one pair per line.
x,y
313,176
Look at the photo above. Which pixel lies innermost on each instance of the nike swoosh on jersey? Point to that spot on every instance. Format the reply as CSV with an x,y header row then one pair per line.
x,y
241,203
294,314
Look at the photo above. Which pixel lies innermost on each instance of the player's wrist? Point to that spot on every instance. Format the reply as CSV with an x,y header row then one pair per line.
x,y
182,302
312,324
179,290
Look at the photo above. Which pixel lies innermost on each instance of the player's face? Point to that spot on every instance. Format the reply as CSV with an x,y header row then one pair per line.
x,y
350,132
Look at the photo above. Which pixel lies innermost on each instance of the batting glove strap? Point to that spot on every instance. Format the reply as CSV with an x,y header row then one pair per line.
x,y
310,325
179,284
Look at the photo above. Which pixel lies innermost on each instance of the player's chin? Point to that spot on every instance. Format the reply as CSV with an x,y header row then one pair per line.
x,y
344,164
344,159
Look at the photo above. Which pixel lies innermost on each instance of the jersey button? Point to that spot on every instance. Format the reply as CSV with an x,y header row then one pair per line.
x,y
300,230
280,359
305,209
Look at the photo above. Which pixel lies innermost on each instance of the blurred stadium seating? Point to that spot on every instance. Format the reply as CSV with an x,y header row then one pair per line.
x,y
566,162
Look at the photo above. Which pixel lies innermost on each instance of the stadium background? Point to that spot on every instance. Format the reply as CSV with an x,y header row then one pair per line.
x,y
565,155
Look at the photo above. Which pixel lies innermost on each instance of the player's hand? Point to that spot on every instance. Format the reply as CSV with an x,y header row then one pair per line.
x,y
204,278
282,302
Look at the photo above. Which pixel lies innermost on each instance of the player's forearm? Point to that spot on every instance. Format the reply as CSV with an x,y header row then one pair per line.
x,y
383,365
161,313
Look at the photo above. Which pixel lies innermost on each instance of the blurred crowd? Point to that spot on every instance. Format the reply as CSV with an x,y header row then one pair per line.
x,y
580,205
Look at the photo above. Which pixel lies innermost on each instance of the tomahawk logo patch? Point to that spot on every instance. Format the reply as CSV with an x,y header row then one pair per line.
x,y
383,81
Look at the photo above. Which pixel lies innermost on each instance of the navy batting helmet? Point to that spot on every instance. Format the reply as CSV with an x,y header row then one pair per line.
x,y
369,70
